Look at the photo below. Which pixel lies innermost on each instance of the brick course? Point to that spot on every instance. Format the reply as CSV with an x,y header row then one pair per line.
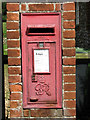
x,y
14,61
69,15
69,95
68,43
58,7
41,7
15,96
23,7
69,87
15,113
13,16
69,61
13,52
13,43
69,34
69,24
13,34
26,113
14,70
70,112
69,6
70,104
69,78
14,79
13,6
69,70
13,104
69,52
46,113
12,25
15,88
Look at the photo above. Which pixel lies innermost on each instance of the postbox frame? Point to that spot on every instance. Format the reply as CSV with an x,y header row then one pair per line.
x,y
59,82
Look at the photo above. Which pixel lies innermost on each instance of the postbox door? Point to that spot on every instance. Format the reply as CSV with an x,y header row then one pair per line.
x,y
41,76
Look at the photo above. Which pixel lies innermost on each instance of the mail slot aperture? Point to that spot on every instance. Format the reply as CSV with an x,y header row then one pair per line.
x,y
40,30
41,60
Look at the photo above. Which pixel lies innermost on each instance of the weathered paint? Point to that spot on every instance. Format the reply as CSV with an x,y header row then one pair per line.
x,y
41,89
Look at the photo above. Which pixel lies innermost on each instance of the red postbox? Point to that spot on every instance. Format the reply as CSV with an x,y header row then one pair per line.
x,y
41,60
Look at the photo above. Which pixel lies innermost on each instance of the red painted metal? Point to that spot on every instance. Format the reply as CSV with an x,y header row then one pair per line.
x,y
41,89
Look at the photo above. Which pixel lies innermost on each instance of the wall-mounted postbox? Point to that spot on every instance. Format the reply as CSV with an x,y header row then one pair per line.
x,y
41,60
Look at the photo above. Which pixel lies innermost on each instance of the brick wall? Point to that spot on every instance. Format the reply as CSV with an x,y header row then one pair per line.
x,y
68,109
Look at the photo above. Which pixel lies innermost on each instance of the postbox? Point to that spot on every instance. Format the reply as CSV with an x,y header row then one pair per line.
x,y
41,60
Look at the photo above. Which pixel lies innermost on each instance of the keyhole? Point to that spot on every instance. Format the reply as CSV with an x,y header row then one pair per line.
x,y
41,45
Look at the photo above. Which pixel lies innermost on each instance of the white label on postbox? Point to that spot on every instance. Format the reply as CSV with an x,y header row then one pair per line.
x,y
41,60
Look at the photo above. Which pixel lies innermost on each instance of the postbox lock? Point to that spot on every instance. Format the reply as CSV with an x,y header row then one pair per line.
x,y
41,45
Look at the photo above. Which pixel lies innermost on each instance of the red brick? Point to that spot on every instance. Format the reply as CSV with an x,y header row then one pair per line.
x,y
69,87
13,16
14,61
23,7
69,95
14,70
12,25
68,43
14,79
13,53
69,78
26,113
69,70
13,43
69,61
15,96
41,7
69,34
13,104
13,34
68,6
69,24
69,15
15,113
70,112
46,113
15,88
57,7
70,104
12,6
69,52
